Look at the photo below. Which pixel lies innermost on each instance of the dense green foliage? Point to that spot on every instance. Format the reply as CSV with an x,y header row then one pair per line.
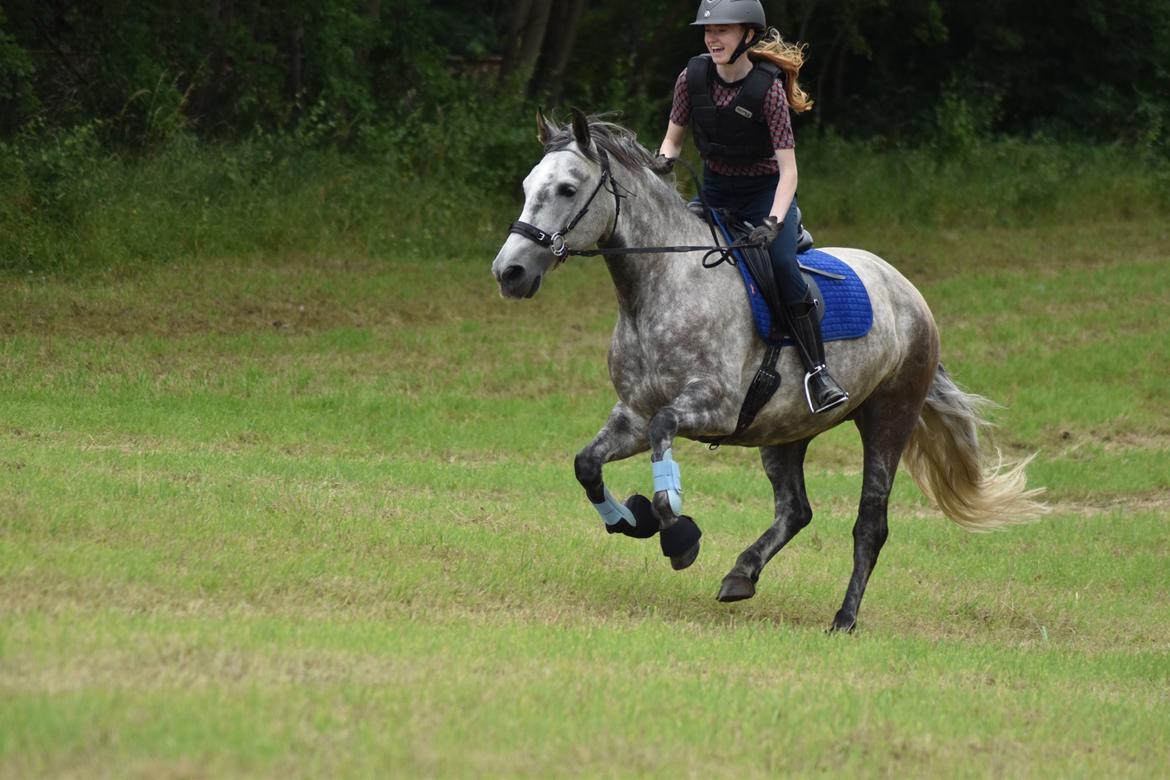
x,y
69,206
1092,69
147,131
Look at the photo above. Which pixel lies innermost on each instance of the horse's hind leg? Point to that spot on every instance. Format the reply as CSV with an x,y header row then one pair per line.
x,y
886,423
784,465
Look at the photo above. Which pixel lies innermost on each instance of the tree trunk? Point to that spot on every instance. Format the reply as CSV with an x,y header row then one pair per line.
x,y
296,69
806,21
560,37
220,18
373,16
525,34
648,61
512,24
825,105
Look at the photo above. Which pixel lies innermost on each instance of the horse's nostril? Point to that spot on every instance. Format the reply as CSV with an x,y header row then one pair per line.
x,y
512,273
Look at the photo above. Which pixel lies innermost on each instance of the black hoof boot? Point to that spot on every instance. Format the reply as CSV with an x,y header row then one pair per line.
x,y
680,562
680,542
646,522
736,587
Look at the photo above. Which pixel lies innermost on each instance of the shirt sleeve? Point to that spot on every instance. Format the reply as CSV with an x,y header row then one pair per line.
x,y
779,120
680,109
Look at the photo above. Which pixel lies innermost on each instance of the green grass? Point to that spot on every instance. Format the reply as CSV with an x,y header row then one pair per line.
x,y
315,515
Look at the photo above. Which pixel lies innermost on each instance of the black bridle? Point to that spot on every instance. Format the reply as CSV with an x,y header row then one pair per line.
x,y
555,242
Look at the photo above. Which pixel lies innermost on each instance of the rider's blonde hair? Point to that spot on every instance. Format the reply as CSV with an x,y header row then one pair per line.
x,y
789,57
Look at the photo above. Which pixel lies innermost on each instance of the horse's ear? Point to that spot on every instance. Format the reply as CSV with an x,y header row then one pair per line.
x,y
544,129
581,129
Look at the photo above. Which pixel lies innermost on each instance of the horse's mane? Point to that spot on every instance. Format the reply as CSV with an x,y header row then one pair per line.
x,y
615,140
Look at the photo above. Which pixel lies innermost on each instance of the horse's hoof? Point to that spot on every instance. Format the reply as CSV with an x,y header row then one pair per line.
x,y
680,542
680,562
736,587
843,623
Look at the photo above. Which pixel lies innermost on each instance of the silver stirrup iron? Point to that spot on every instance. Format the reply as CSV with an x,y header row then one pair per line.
x,y
808,394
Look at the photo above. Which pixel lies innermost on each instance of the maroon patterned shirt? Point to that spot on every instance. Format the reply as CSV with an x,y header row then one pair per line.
x,y
722,93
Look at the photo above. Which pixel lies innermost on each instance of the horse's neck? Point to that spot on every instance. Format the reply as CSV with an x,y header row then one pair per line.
x,y
652,216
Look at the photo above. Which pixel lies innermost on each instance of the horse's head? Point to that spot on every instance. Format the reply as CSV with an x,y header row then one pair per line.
x,y
564,204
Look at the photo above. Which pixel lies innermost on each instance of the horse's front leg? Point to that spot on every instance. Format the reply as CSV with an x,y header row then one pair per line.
x,y
701,409
623,435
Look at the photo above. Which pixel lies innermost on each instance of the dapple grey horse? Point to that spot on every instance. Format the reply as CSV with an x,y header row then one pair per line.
x,y
684,352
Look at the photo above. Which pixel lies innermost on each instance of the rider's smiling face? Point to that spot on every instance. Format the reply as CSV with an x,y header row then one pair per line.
x,y
721,40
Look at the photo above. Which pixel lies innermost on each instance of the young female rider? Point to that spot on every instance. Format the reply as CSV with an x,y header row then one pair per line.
x,y
739,108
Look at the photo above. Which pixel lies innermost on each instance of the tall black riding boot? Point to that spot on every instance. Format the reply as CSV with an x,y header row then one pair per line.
x,y
820,389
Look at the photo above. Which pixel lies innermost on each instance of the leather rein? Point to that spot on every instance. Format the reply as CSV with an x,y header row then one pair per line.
x,y
555,242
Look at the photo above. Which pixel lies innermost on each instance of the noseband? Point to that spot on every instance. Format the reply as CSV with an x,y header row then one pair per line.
x,y
555,242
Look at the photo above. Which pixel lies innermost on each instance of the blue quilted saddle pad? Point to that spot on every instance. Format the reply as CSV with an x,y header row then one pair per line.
x,y
848,312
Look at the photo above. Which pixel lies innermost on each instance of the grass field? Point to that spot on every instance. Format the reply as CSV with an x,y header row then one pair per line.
x,y
316,516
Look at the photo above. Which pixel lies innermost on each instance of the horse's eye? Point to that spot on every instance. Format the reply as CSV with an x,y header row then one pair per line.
x,y
566,190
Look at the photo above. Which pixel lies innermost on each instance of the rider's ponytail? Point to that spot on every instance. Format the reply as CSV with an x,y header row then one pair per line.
x,y
789,57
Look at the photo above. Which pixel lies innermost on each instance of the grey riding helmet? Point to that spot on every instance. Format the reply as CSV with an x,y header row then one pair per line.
x,y
749,12
746,12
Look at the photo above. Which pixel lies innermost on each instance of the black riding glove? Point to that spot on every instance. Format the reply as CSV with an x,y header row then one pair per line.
x,y
766,233
662,164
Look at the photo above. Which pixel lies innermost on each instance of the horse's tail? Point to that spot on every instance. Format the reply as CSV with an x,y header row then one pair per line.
x,y
978,491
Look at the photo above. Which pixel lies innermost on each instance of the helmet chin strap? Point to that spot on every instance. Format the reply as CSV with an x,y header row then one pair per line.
x,y
743,45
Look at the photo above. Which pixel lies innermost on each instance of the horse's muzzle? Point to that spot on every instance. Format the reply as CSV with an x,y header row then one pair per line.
x,y
516,282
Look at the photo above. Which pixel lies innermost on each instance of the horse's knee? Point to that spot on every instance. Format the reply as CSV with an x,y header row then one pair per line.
x,y
872,526
587,467
800,513
871,532
663,427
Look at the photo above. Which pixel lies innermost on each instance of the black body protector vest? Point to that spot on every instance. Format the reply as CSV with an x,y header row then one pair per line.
x,y
739,132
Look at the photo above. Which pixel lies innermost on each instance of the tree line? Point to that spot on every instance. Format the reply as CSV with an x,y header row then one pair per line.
x,y
895,69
